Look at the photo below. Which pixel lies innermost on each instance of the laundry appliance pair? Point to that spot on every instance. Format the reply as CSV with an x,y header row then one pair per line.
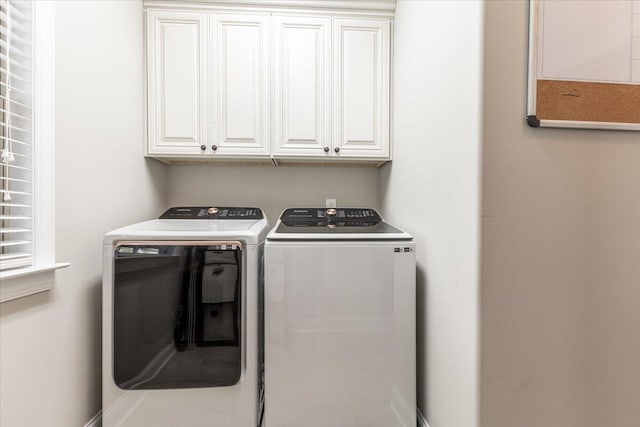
x,y
209,319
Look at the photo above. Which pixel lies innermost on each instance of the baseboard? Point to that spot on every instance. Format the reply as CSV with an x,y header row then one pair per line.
x,y
421,421
96,421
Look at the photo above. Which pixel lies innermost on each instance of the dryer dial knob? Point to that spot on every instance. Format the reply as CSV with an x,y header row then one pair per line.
x,y
331,212
212,211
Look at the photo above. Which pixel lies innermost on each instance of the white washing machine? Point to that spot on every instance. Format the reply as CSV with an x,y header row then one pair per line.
x,y
181,319
340,334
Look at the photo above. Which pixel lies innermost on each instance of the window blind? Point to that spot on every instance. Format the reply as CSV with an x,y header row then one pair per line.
x,y
16,134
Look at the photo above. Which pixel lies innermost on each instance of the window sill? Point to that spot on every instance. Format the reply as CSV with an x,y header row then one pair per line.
x,y
27,281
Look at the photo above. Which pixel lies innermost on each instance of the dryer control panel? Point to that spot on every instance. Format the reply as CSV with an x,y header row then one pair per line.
x,y
211,212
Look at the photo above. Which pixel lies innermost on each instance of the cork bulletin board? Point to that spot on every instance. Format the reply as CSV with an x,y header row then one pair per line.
x,y
584,64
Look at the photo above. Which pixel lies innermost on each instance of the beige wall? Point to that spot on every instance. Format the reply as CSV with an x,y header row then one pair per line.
x,y
50,343
432,190
560,302
613,296
273,189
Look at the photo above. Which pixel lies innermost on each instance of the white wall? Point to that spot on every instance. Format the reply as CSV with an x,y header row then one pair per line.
x,y
560,247
432,190
273,189
560,256
50,343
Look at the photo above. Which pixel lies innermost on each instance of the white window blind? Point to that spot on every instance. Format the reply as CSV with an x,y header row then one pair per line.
x,y
16,134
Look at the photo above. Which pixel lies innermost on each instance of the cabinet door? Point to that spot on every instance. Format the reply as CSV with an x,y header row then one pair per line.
x,y
177,83
302,83
361,87
240,80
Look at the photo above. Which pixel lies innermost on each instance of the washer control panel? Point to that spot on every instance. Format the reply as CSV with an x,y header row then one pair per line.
x,y
212,212
322,217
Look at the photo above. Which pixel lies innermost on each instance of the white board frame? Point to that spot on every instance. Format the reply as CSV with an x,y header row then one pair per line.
x,y
532,120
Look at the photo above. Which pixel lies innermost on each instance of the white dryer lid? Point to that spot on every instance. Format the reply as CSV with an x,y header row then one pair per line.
x,y
249,231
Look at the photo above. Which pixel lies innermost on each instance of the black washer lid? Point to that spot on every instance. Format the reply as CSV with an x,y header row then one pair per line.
x,y
333,221
321,217
212,212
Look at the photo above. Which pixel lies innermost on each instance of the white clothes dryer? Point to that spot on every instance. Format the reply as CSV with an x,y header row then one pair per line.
x,y
181,319
340,321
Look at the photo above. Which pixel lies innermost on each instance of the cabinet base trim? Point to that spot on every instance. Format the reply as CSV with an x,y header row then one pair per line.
x,y
387,6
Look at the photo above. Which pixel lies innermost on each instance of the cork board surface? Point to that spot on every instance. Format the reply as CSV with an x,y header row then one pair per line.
x,y
587,101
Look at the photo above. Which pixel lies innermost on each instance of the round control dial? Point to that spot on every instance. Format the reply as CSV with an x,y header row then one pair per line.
x,y
213,211
331,212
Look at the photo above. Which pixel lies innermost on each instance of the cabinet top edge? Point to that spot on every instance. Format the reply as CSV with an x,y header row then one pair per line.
x,y
383,7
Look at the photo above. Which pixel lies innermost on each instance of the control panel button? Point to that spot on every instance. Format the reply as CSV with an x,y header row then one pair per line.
x,y
213,211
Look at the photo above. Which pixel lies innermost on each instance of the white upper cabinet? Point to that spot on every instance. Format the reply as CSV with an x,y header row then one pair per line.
x,y
177,84
250,83
239,84
302,86
361,87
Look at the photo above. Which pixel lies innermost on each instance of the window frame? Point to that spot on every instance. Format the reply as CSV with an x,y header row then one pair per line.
x,y
39,277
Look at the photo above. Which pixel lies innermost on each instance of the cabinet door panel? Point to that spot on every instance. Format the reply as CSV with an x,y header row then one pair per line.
x,y
177,67
302,83
240,48
361,97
